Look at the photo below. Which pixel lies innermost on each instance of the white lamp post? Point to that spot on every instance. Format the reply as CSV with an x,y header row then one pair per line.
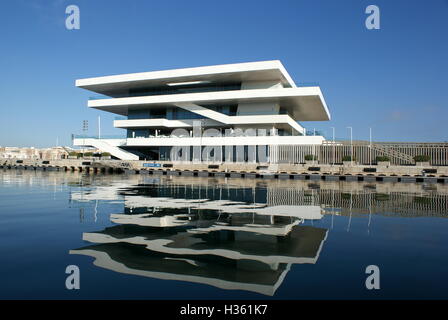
x,y
370,146
99,127
333,144
314,147
351,144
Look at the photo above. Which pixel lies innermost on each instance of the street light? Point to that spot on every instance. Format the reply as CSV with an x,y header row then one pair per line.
x,y
85,125
351,144
314,147
99,127
200,141
370,146
85,128
333,128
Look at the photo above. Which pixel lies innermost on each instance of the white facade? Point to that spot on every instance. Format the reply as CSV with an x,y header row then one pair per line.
x,y
193,111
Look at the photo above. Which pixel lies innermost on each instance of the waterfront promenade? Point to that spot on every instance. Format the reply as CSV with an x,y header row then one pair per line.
x,y
347,171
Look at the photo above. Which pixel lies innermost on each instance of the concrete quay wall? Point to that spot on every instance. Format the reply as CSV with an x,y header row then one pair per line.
x,y
311,171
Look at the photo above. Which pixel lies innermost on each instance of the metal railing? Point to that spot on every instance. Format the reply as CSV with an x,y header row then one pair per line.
x,y
313,132
307,84
364,153
82,136
99,97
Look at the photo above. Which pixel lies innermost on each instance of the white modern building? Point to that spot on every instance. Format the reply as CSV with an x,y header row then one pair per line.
x,y
235,113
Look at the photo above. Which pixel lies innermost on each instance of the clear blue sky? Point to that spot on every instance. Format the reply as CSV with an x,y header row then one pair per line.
x,y
393,79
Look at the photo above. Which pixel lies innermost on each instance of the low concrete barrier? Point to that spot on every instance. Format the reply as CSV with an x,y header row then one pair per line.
x,y
390,179
430,180
203,174
220,174
364,173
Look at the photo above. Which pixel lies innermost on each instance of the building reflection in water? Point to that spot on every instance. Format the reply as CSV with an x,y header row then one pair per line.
x,y
181,233
232,234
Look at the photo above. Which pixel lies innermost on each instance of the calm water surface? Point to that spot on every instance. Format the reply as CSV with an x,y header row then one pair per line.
x,y
159,237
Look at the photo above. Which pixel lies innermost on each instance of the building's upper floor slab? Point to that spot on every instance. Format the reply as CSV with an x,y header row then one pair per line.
x,y
226,74
303,104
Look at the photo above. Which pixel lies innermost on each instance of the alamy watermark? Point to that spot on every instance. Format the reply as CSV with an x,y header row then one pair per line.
x,y
373,280
73,21
73,280
373,20
235,149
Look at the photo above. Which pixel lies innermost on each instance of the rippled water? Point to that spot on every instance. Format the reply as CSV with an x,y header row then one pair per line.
x,y
204,238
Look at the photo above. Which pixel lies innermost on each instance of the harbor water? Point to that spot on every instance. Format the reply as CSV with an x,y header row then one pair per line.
x,y
174,237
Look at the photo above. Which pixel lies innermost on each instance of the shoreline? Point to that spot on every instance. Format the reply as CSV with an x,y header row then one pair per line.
x,y
312,172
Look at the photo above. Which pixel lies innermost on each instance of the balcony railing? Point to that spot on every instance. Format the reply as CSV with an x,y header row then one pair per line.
x,y
314,133
170,91
85,136
165,136
307,84
99,97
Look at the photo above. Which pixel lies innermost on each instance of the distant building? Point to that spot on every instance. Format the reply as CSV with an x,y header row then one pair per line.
x,y
32,153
